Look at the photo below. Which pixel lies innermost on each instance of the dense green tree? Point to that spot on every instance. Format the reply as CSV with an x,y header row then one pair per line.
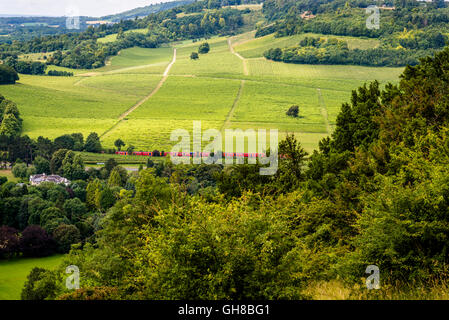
x,y
293,111
51,218
92,189
64,142
10,126
119,144
194,56
93,143
45,148
65,236
8,75
73,166
204,48
35,242
42,165
9,242
57,160
104,199
41,284
74,209
115,179
356,125
110,165
291,170
20,170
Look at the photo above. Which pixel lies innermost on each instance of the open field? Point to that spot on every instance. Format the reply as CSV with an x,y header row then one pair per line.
x,y
218,63
225,89
52,106
8,174
13,274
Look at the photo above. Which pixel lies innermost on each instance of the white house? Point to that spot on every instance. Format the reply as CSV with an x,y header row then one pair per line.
x,y
40,178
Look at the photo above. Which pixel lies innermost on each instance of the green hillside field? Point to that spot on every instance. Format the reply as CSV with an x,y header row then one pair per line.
x,y
225,89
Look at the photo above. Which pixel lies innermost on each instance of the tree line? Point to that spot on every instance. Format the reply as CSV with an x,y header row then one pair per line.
x,y
334,51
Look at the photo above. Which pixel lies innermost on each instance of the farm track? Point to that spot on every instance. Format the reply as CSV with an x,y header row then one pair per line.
x,y
155,90
245,64
324,113
234,106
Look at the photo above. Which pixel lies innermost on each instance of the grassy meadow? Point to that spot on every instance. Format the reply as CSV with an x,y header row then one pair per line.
x,y
222,89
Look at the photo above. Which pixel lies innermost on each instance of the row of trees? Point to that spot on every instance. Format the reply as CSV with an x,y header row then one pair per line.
x,y
26,67
337,52
55,73
13,148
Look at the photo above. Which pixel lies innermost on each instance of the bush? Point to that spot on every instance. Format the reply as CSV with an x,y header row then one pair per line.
x,y
293,111
20,170
8,75
55,73
93,143
9,242
35,242
194,56
221,252
42,165
30,67
41,284
66,235
204,48
96,293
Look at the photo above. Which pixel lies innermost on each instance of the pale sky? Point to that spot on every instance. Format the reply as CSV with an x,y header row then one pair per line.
x,y
93,8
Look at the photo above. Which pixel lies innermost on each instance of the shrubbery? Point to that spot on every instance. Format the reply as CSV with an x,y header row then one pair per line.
x,y
55,73
8,75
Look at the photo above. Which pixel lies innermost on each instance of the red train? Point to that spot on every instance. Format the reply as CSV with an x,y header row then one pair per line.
x,y
191,154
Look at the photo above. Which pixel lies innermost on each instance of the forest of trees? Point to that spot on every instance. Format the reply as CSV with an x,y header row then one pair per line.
x,y
334,51
412,31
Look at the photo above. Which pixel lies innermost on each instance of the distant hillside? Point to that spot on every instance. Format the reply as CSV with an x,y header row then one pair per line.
x,y
145,11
